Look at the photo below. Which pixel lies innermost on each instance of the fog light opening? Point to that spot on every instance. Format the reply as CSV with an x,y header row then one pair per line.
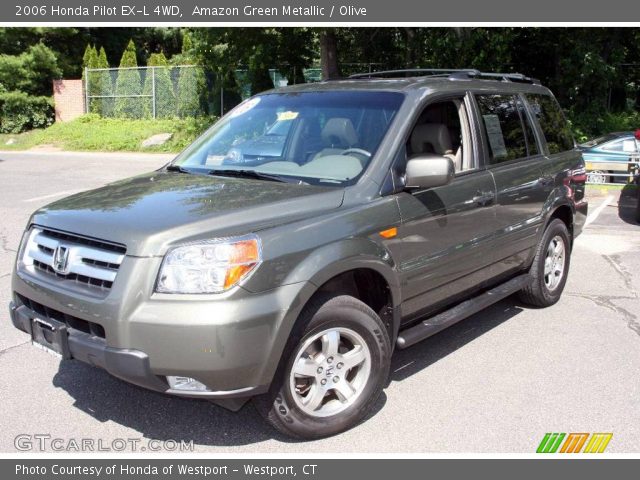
x,y
187,384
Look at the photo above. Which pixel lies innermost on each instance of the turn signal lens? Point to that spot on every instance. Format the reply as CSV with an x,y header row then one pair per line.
x,y
389,233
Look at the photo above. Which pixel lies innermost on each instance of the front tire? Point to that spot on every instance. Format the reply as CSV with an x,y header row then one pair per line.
x,y
334,372
550,267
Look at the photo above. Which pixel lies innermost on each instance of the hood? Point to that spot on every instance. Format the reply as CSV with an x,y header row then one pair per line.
x,y
152,211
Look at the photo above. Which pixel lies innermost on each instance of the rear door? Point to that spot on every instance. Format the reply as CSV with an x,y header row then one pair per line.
x,y
516,161
563,164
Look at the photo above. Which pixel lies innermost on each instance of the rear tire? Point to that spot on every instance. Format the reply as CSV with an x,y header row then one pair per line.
x,y
550,267
333,370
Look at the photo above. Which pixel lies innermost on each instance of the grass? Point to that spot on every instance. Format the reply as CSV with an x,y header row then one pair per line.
x,y
92,133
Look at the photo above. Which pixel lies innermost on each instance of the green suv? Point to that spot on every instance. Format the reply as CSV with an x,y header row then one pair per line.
x,y
287,268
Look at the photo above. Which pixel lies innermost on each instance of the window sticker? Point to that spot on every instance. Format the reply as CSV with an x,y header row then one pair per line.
x,y
282,116
495,136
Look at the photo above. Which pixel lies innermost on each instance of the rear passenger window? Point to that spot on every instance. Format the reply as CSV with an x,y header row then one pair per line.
x,y
503,128
552,121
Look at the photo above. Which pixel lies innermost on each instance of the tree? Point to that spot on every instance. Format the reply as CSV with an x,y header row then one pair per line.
x,y
296,50
329,54
89,59
104,85
92,79
159,74
41,64
191,83
128,104
30,72
241,58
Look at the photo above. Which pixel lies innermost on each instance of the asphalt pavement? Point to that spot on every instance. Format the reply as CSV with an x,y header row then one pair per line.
x,y
496,382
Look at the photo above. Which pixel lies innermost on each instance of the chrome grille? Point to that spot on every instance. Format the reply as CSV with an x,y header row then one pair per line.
x,y
72,258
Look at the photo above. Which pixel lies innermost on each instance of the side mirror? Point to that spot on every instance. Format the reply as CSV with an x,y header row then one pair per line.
x,y
428,171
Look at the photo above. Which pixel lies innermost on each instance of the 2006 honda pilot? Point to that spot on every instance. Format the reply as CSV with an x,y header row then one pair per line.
x,y
312,230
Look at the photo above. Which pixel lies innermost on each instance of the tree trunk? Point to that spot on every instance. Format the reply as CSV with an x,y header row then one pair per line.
x,y
410,48
329,54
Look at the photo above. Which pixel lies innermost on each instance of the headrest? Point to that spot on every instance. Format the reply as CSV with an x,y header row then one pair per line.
x,y
339,132
431,138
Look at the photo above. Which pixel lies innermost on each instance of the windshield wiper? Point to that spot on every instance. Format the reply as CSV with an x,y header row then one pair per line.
x,y
176,168
248,174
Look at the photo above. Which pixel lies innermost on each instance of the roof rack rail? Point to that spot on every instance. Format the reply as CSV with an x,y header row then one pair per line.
x,y
505,77
413,72
452,73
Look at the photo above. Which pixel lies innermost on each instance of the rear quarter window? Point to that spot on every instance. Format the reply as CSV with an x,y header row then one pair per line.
x,y
554,125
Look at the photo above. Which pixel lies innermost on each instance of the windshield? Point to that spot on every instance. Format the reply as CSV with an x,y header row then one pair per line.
x,y
323,138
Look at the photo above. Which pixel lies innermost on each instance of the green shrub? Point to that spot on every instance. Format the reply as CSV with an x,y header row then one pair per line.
x,y
191,83
191,86
164,91
128,85
588,125
20,112
32,71
99,82
105,85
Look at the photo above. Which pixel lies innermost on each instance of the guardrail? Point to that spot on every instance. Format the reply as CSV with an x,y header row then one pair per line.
x,y
598,173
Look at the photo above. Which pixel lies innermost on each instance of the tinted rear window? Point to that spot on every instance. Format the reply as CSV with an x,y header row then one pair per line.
x,y
504,128
552,121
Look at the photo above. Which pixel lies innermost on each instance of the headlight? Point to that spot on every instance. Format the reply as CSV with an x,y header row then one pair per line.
x,y
209,267
28,234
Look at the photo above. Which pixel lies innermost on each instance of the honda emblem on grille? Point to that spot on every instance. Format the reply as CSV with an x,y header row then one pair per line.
x,y
61,259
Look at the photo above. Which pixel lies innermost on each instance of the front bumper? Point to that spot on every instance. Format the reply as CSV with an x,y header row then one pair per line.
x,y
231,343
129,365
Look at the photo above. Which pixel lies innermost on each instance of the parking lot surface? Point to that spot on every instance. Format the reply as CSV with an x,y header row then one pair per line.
x,y
496,382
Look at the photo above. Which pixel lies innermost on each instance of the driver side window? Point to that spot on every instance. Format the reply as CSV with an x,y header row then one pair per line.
x,y
443,129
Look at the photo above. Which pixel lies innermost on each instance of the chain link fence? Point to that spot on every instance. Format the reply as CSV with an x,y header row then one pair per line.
x,y
148,92
182,91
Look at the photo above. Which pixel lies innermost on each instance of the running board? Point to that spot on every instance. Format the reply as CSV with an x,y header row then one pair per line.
x,y
433,325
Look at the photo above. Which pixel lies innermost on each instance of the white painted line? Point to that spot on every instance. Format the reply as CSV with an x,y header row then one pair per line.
x,y
593,215
52,195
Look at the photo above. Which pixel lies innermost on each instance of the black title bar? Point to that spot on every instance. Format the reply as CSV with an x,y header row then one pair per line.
x,y
323,11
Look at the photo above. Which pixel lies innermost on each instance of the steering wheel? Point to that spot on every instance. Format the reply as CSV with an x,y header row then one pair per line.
x,y
357,151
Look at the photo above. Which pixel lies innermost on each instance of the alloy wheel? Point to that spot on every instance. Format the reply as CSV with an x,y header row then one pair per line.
x,y
330,371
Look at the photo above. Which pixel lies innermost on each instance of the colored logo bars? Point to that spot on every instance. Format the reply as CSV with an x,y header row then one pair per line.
x,y
573,442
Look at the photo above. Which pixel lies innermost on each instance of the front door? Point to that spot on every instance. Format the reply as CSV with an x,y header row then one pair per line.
x,y
447,232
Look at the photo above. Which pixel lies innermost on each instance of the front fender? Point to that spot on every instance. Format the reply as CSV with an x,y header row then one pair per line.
x,y
318,268
342,256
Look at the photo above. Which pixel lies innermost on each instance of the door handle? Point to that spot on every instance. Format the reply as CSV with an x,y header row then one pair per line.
x,y
483,199
545,181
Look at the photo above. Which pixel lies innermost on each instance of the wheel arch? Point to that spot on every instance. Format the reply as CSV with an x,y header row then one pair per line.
x,y
566,213
366,262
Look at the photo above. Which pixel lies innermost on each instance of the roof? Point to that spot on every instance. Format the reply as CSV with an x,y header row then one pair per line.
x,y
456,81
